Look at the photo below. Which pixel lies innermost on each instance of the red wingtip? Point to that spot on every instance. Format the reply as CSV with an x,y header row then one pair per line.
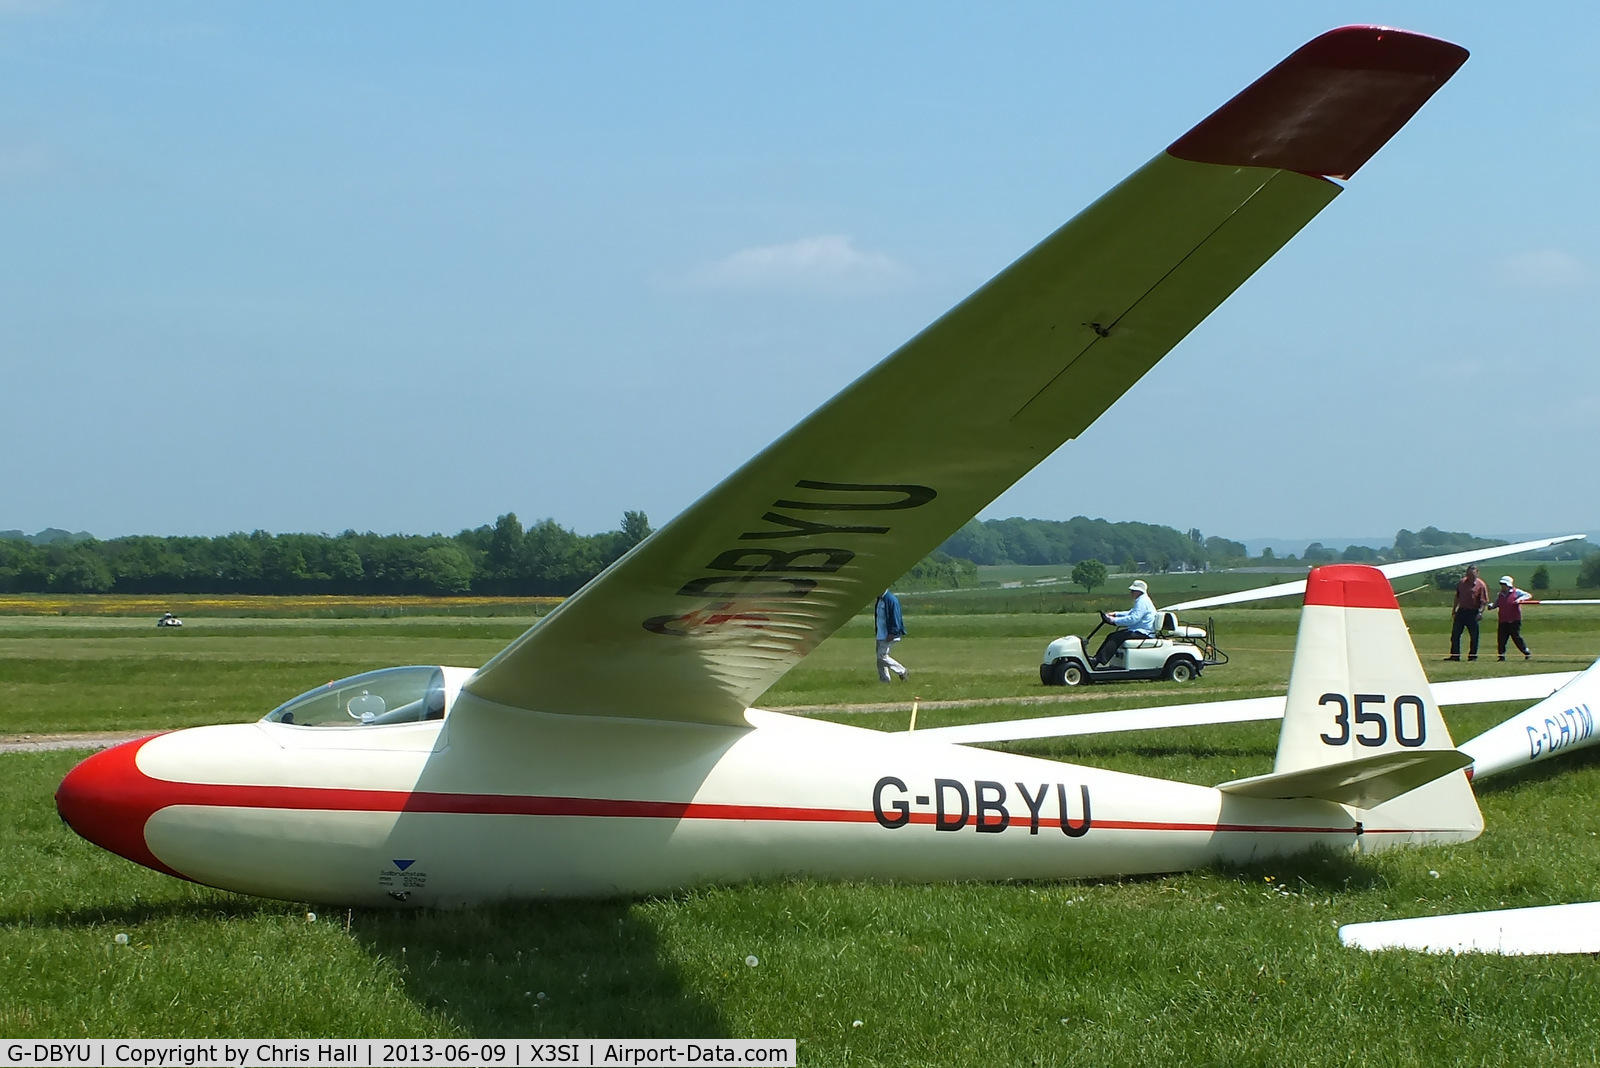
x,y
1329,106
1350,586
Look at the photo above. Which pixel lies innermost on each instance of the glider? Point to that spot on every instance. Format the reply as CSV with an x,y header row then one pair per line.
x,y
612,748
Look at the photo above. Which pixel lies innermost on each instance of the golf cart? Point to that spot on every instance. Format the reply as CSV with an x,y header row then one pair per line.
x,y
1177,652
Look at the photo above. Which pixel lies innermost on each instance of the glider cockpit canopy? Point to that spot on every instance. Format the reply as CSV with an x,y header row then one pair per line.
x,y
391,695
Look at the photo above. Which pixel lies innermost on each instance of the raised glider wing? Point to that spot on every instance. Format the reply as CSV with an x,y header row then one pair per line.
x,y
611,748
1398,569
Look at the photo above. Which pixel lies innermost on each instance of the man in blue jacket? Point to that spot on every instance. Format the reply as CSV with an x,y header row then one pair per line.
x,y
891,627
1139,621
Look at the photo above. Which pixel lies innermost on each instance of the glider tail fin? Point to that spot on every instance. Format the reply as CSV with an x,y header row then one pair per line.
x,y
1356,688
1361,723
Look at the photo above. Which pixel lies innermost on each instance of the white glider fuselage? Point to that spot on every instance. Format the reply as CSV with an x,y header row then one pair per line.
x,y
499,803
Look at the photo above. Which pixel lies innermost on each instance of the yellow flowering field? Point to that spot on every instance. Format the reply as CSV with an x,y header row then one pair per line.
x,y
115,604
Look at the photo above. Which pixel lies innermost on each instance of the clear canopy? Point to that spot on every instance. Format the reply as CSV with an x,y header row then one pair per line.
x,y
392,695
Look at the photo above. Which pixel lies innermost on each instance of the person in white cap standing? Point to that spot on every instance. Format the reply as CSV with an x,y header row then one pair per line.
x,y
1509,604
1138,621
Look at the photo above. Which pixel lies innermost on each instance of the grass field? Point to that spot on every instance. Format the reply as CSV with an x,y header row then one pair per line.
x,y
1215,967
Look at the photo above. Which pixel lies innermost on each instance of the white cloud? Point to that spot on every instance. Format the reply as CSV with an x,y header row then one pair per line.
x,y
830,263
1546,268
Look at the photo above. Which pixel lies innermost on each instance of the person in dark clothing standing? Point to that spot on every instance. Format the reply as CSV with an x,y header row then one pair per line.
x,y
1472,596
890,627
1509,605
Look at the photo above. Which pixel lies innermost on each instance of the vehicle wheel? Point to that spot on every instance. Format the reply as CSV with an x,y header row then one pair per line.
x,y
1050,674
1181,669
1073,674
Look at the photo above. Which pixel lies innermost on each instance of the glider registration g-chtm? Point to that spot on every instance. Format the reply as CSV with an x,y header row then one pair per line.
x,y
612,748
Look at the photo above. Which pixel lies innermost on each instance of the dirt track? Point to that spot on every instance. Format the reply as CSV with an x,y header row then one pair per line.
x,y
33,743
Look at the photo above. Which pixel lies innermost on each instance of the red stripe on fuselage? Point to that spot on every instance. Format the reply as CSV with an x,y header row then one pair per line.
x,y
108,800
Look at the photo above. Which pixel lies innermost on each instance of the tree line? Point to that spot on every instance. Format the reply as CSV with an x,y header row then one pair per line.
x,y
545,559
1128,546
1133,547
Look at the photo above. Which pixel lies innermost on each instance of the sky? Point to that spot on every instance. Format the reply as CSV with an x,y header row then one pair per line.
x,y
404,267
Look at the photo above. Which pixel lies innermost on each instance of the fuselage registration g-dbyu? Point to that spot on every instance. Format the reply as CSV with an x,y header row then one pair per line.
x,y
612,748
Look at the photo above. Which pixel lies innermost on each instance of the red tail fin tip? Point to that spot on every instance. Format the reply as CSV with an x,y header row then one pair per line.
x,y
1349,586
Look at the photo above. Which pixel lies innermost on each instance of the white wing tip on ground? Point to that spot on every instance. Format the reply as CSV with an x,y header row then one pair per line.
x,y
1539,931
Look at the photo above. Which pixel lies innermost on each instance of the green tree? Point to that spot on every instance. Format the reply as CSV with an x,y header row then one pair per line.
x,y
1541,578
442,567
506,549
79,570
635,528
1089,574
1222,550
1317,553
939,571
1589,572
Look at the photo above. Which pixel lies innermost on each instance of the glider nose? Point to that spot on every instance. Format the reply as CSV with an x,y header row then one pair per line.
x,y
107,800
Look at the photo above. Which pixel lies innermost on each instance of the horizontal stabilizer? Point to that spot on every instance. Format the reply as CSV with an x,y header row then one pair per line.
x,y
1365,782
1512,932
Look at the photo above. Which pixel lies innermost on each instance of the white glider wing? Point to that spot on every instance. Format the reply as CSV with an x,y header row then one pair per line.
x,y
1242,710
1398,569
705,615
1546,929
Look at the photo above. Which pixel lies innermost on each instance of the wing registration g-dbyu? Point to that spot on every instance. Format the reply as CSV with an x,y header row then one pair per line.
x,y
610,750
711,610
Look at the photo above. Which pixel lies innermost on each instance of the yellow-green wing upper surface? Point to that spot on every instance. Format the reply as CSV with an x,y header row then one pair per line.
x,y
706,614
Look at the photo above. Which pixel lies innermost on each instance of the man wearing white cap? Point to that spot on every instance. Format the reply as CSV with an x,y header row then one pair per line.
x,y
1137,622
1509,604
